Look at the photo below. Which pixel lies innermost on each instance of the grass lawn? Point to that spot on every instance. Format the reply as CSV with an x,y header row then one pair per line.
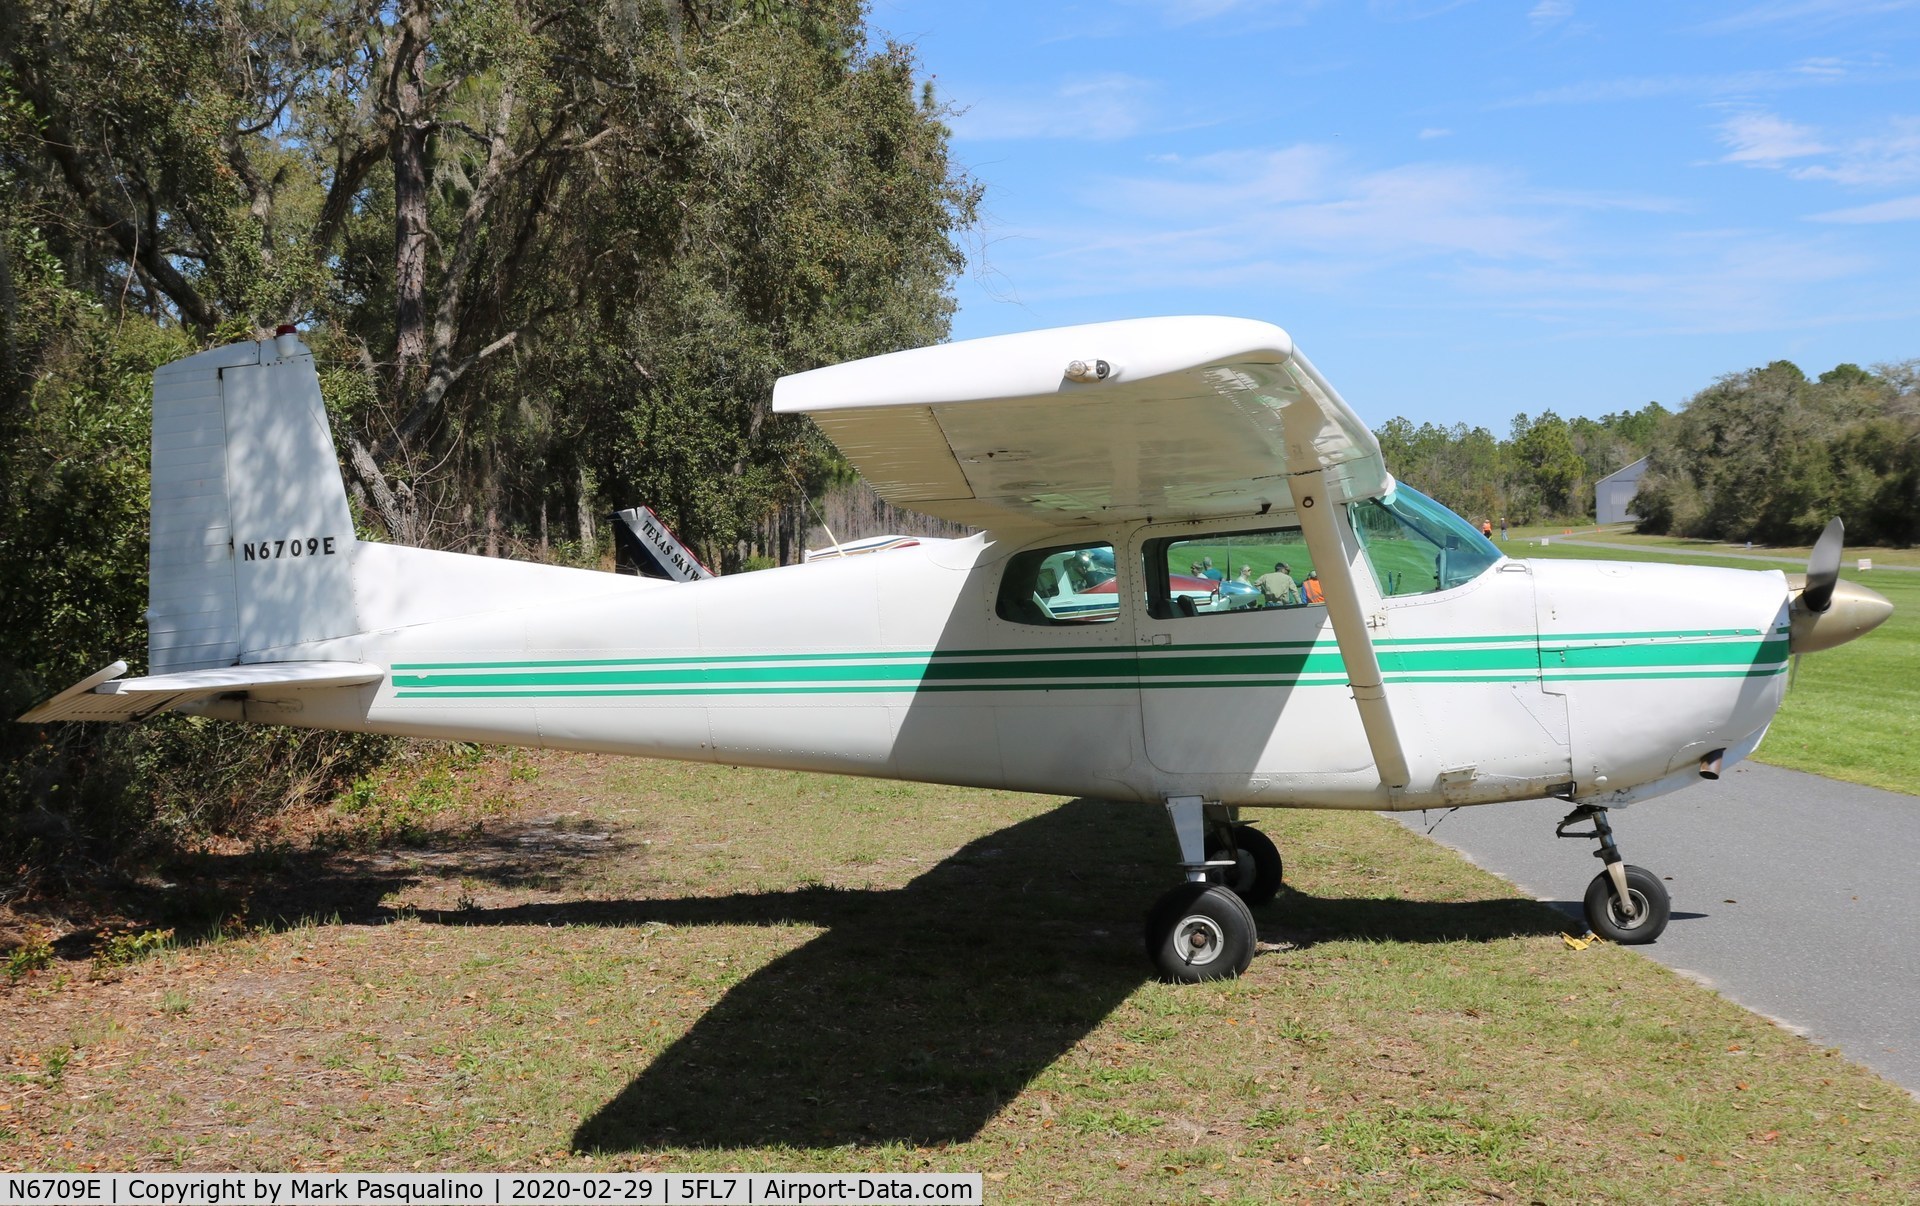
x,y
1792,557
1854,712
680,967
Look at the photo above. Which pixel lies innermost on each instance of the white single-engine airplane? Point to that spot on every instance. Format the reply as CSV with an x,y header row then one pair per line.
x,y
1419,668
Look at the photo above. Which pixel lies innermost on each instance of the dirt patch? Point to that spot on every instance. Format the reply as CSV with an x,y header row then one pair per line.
x,y
499,825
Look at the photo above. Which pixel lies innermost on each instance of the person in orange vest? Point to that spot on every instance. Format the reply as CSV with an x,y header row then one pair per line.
x,y
1486,528
1311,588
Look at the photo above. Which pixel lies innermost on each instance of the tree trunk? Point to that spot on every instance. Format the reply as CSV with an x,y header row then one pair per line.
x,y
493,505
395,515
410,188
589,539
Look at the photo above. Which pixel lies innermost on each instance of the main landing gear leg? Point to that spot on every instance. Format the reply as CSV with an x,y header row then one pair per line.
x,y
1200,930
1624,904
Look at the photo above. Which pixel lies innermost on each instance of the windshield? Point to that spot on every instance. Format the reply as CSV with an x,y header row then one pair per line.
x,y
1416,546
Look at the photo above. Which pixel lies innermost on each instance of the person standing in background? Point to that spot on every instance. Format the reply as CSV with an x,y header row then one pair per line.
x,y
1278,587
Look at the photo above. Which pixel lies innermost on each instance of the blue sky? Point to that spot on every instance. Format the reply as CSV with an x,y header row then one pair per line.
x,y
1461,210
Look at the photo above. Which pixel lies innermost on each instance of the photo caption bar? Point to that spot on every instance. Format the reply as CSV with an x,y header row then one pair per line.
x,y
484,1189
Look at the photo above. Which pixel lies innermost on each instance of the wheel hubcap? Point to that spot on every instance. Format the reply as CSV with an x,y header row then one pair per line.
x,y
1199,940
1619,917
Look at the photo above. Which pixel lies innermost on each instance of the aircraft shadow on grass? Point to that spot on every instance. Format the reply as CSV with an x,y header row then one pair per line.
x,y
920,1011
923,1010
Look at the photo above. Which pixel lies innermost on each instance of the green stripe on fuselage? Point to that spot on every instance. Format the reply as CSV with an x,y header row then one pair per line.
x,y
1226,666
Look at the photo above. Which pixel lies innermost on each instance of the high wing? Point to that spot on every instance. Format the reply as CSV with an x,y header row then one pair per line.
x,y
104,695
1192,418
1157,419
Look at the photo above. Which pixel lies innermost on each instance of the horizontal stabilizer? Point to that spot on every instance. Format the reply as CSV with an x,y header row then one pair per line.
x,y
104,696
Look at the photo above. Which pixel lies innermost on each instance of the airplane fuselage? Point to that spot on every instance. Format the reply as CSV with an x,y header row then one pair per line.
x,y
1534,678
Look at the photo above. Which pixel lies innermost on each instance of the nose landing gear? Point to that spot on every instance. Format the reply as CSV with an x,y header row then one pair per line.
x,y
1624,904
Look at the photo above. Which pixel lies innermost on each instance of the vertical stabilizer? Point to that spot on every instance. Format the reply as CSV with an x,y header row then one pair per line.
x,y
252,537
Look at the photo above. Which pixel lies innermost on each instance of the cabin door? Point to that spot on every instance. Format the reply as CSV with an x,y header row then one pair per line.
x,y
1238,667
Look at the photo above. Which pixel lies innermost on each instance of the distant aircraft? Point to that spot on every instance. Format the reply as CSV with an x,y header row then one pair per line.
x,y
1063,650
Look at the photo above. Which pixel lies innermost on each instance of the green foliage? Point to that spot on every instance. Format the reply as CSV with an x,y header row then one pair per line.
x,y
398,802
32,955
1545,471
1766,455
1770,455
1548,465
121,948
804,204
73,584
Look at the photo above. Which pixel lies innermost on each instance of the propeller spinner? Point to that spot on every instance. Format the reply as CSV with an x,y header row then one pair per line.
x,y
1825,611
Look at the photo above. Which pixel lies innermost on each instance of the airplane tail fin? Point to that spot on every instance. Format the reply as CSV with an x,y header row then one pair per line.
x,y
252,536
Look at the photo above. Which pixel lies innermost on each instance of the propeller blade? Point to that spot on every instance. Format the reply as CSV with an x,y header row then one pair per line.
x,y
1823,567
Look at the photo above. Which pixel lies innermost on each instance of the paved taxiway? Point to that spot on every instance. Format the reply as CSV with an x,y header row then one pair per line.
x,y
1797,896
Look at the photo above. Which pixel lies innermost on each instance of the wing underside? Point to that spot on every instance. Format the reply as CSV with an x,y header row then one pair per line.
x,y
1192,418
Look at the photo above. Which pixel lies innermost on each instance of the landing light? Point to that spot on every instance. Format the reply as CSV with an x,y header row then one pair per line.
x,y
1089,371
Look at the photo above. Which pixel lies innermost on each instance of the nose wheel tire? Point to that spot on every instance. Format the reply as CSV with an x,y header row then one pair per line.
x,y
1255,875
1200,931
1609,919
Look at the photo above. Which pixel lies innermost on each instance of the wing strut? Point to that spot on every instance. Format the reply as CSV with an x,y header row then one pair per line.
x,y
1330,557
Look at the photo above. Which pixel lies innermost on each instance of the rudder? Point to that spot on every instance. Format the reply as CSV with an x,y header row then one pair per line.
x,y
252,537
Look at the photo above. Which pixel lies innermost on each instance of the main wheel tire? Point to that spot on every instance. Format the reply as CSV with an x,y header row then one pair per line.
x,y
1200,932
1255,875
1610,921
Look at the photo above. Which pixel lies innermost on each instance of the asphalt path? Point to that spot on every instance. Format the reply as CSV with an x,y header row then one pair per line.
x,y
1796,896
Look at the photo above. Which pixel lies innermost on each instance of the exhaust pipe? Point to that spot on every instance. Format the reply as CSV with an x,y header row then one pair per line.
x,y
1710,765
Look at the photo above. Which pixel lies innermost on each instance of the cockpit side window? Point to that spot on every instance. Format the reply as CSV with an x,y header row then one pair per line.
x,y
1064,584
1416,546
1230,572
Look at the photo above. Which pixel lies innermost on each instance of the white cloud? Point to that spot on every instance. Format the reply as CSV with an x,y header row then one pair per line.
x,y
1302,214
1805,12
1308,222
1889,157
1892,158
1261,13
1900,209
1706,282
1225,180
1764,140
1823,67
1823,71
1098,108
1435,132
1548,13
1412,10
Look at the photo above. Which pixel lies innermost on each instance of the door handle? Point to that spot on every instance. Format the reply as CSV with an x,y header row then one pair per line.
x,y
1157,638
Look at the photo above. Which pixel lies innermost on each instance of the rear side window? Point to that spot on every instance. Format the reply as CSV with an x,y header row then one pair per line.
x,y
1065,584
